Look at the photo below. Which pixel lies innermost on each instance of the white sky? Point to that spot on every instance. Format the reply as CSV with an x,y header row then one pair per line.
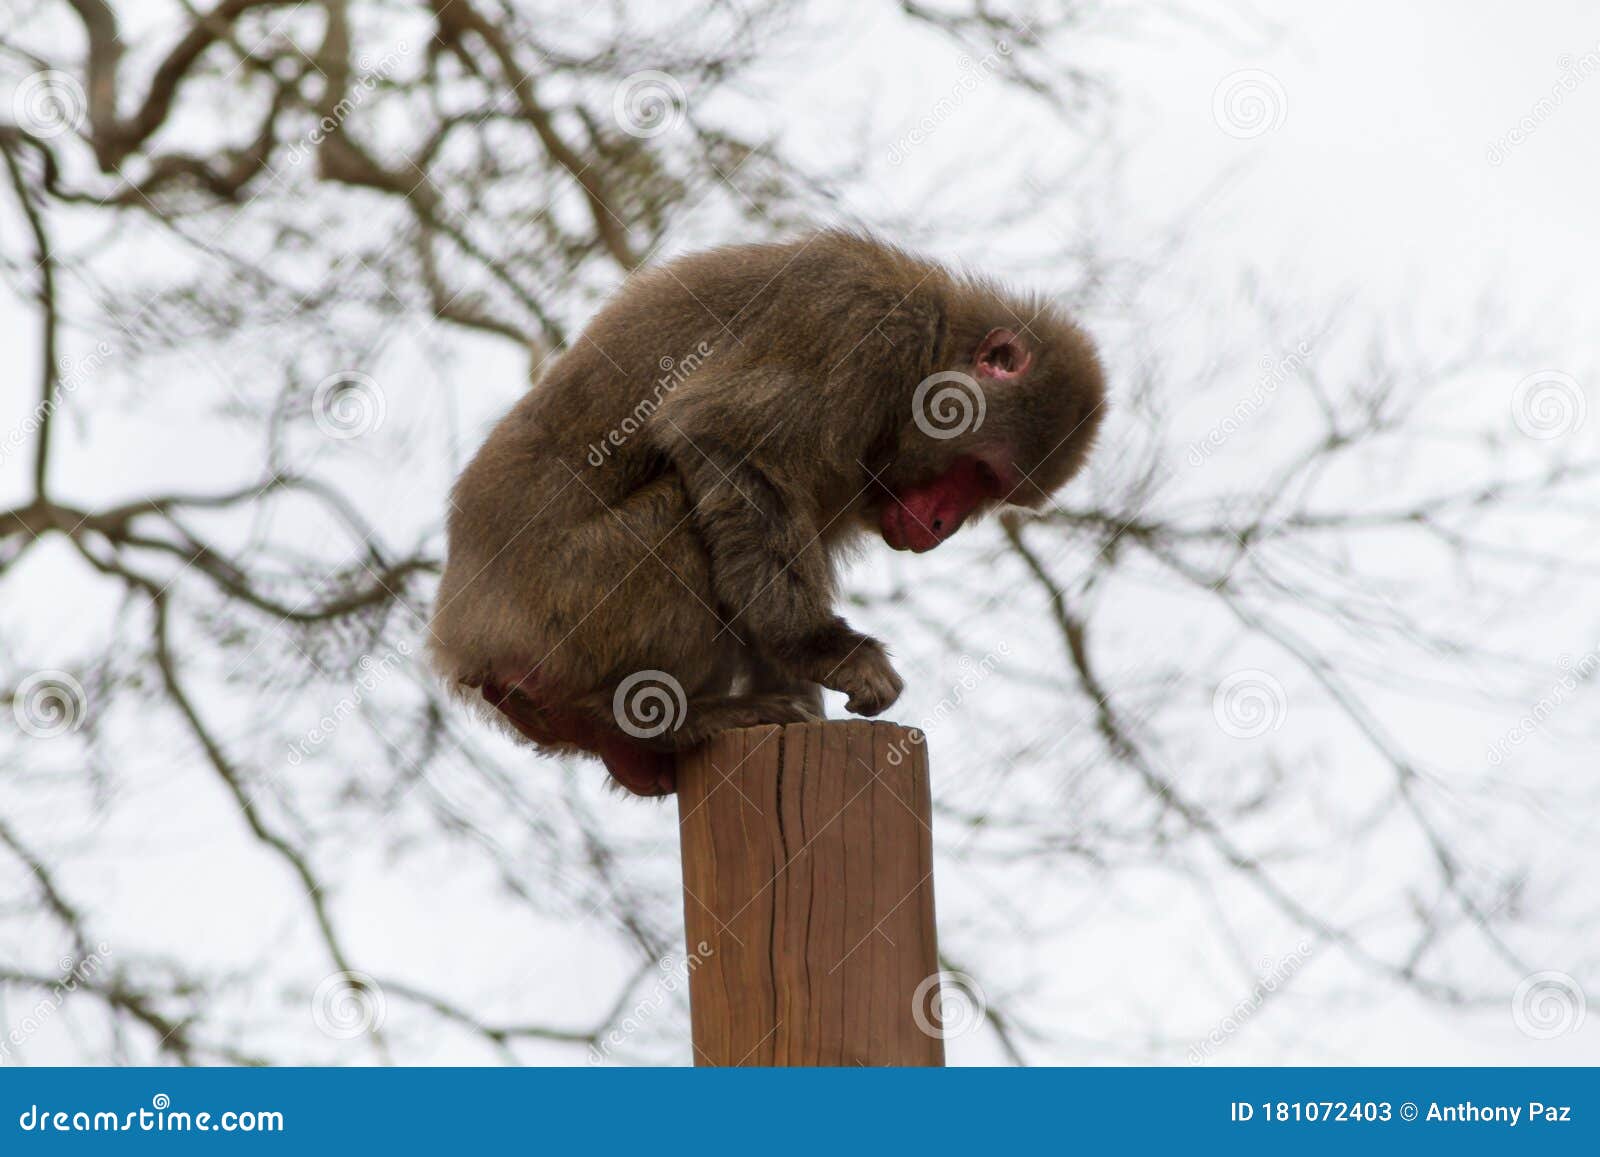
x,y
1376,185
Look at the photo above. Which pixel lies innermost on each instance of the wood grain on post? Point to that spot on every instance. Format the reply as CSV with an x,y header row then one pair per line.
x,y
808,896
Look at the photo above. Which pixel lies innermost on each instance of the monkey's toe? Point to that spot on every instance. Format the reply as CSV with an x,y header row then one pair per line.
x,y
796,707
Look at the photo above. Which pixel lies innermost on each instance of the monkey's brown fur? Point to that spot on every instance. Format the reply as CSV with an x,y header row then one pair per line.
x,y
634,514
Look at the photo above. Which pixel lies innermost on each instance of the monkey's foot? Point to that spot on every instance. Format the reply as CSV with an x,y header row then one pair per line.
x,y
706,717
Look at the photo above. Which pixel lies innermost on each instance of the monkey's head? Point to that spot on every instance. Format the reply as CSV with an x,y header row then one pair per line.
x,y
1008,421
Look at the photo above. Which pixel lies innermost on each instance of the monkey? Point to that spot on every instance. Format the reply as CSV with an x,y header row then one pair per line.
x,y
643,551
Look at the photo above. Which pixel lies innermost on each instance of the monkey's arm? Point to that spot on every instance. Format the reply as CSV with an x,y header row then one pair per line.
x,y
769,564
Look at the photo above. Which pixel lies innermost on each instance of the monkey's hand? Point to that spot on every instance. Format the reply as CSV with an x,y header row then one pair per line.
x,y
863,672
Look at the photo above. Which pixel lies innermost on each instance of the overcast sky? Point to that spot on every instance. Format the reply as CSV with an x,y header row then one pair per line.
x,y
1387,174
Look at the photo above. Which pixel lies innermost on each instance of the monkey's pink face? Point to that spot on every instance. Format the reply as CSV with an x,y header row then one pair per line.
x,y
921,517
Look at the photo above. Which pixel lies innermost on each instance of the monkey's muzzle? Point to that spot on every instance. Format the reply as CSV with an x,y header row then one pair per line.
x,y
906,527
922,517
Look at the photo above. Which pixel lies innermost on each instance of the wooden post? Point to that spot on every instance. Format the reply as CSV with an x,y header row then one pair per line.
x,y
808,896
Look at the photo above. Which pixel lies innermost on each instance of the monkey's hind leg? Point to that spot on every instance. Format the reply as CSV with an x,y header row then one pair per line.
x,y
706,717
764,677
640,759
644,763
701,718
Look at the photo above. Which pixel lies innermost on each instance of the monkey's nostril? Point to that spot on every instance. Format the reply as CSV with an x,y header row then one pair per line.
x,y
938,524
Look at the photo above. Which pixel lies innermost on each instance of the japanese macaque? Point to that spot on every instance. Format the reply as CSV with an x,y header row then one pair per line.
x,y
642,552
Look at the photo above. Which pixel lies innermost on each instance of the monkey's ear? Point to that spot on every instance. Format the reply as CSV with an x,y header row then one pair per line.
x,y
1001,355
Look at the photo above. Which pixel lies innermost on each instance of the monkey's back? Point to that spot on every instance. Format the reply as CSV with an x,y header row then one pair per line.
x,y
570,494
